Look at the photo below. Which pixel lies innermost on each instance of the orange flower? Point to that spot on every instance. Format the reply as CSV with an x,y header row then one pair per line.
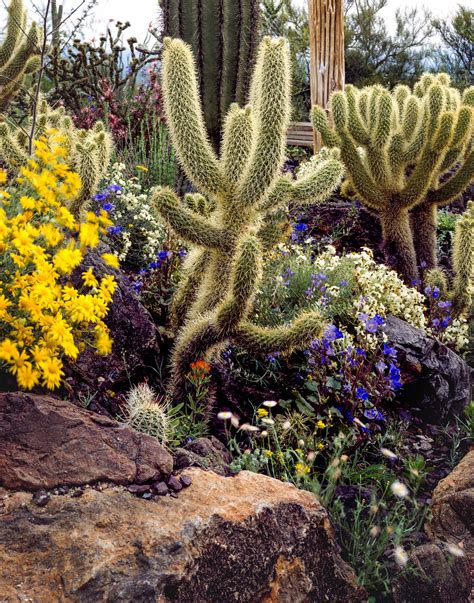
x,y
200,366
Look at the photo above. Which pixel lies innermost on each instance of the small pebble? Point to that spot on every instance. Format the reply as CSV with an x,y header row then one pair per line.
x,y
77,493
147,495
41,498
174,494
185,480
174,483
161,489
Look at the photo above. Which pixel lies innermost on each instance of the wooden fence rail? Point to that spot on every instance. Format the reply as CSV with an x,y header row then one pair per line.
x,y
300,134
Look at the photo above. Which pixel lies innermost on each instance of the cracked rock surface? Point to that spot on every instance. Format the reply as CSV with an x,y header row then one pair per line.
x,y
45,442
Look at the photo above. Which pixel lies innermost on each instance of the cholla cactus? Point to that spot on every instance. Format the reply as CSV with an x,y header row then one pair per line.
x,y
88,151
404,151
19,53
461,290
145,413
246,187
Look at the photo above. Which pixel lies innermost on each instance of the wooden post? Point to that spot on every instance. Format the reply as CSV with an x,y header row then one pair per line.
x,y
326,32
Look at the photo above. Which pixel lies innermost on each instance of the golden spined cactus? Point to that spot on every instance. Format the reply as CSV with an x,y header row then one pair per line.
x,y
88,152
404,151
460,290
19,53
240,211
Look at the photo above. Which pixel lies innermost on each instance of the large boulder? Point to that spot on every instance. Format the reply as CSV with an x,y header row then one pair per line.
x,y
45,442
452,507
436,380
134,335
247,538
435,576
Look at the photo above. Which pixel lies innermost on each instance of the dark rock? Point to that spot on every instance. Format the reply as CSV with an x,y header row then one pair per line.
x,y
41,498
138,488
185,480
438,577
246,539
174,483
206,453
134,340
77,493
45,442
161,489
345,224
436,380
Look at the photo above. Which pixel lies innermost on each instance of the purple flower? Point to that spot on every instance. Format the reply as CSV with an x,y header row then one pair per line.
x,y
114,188
373,414
381,366
445,322
435,322
332,333
444,304
394,376
115,229
108,206
100,197
362,394
163,255
182,253
300,227
361,352
435,293
389,351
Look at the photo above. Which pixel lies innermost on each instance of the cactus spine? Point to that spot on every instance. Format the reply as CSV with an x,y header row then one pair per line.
x,y
224,36
88,151
246,192
19,53
404,151
462,285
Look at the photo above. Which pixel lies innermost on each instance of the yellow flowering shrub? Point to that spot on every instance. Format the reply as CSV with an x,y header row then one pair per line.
x,y
43,317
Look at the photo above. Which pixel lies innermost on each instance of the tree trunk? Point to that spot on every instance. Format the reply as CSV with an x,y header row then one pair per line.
x,y
398,243
326,32
424,228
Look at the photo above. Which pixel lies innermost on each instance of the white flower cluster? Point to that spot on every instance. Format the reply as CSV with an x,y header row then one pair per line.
x,y
382,291
142,233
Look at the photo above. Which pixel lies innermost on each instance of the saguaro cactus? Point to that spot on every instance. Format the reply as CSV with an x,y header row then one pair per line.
x,y
224,38
88,151
247,195
401,150
19,52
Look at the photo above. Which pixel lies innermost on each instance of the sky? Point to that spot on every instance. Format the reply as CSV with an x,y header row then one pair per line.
x,y
141,12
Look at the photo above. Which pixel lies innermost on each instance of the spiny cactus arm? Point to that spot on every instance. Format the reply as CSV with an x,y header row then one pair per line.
x,y
275,229
280,195
14,26
199,204
462,137
424,227
185,119
355,124
436,277
186,223
272,114
236,142
317,185
186,292
320,124
419,181
86,164
398,241
463,261
455,185
468,96
265,340
12,153
16,66
246,273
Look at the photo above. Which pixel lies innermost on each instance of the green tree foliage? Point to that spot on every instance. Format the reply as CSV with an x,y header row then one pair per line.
x,y
457,51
